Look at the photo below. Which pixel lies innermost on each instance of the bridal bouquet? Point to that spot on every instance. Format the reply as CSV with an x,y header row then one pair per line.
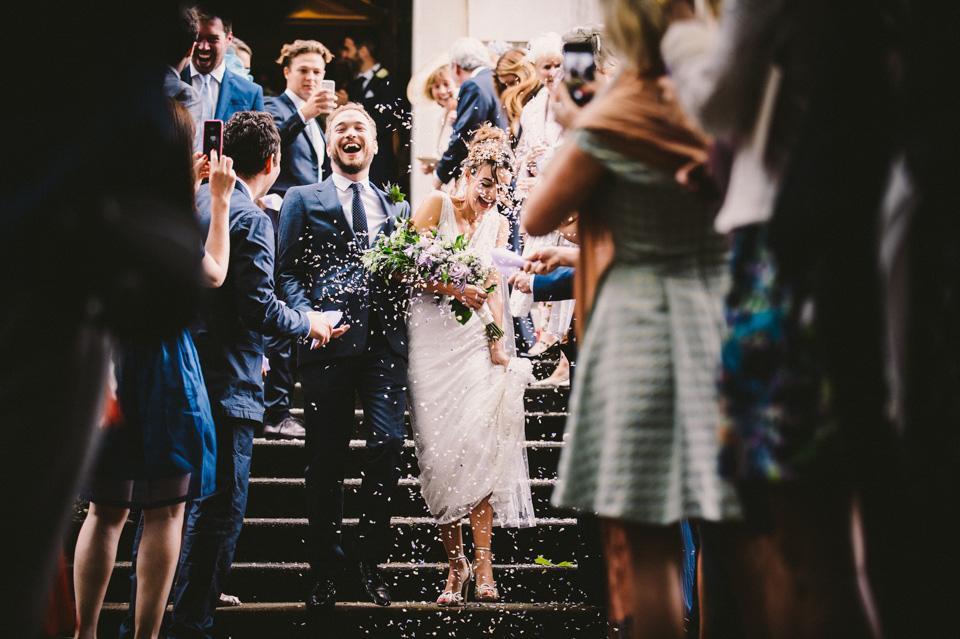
x,y
423,257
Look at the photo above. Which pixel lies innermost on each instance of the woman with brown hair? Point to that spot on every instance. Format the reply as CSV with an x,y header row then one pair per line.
x,y
465,393
641,447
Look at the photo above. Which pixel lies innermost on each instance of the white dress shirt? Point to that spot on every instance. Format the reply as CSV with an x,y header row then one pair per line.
x,y
312,129
376,216
216,80
245,188
368,74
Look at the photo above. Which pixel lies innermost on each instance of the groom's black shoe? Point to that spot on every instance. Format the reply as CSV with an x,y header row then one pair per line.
x,y
323,595
373,582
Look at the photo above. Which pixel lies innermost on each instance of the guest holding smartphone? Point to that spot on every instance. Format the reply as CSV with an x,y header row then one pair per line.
x,y
299,113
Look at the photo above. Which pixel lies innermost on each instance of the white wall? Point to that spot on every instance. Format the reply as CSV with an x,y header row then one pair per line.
x,y
437,23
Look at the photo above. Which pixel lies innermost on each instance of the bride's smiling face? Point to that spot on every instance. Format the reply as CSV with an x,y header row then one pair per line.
x,y
485,187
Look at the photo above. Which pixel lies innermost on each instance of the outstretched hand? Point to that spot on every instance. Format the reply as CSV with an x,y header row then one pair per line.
x,y
547,259
521,281
321,331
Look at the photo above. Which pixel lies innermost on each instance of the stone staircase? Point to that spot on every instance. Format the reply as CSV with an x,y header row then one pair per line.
x,y
539,598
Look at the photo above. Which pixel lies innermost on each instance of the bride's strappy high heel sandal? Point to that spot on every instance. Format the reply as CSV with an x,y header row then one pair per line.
x,y
484,592
451,598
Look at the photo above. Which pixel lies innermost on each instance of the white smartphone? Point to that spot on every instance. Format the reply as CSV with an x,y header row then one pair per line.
x,y
328,84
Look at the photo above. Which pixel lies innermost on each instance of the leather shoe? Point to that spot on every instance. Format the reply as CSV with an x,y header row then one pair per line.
x,y
289,428
324,594
374,584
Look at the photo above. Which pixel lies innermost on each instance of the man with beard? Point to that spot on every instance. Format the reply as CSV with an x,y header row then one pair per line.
x,y
222,92
372,87
323,230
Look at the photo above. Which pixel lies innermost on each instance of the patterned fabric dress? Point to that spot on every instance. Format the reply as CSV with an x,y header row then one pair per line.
x,y
643,427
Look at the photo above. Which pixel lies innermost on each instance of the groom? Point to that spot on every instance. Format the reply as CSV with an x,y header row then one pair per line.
x,y
323,229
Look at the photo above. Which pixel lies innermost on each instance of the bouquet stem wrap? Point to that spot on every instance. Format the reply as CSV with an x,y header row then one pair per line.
x,y
463,314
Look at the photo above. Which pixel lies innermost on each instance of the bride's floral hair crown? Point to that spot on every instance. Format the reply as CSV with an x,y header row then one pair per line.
x,y
489,146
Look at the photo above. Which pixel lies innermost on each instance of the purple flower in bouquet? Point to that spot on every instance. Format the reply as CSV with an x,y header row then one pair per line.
x,y
425,260
459,272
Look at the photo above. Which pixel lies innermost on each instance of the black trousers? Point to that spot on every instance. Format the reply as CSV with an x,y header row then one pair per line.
x,y
279,382
379,378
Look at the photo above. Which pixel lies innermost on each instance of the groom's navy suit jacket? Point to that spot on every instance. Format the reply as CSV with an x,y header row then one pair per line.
x,y
319,268
299,161
236,94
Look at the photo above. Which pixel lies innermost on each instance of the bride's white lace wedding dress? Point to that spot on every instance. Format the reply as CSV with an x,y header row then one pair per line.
x,y
467,412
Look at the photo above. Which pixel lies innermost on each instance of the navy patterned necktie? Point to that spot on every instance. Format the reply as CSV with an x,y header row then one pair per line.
x,y
359,217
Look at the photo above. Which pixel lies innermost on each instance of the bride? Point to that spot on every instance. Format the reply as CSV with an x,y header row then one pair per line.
x,y
466,394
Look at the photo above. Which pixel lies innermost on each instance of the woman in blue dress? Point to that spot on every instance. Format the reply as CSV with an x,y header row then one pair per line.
x,y
163,451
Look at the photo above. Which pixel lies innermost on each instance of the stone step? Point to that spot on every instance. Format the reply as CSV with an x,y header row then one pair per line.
x,y
402,620
285,497
534,398
543,424
413,539
272,582
287,458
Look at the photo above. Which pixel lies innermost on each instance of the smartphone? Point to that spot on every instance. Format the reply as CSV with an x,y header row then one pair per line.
x,y
328,84
213,137
579,69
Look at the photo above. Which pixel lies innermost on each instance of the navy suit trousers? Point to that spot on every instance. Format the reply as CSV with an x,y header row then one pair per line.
x,y
330,388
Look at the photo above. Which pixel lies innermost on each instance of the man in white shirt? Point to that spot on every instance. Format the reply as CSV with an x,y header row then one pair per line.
x,y
297,112
323,230
372,86
222,92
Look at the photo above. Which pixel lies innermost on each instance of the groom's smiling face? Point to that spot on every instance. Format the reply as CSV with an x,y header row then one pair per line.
x,y
351,140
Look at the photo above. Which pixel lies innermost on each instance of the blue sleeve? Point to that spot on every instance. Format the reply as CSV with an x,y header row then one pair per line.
x,y
253,265
469,118
293,276
289,127
555,286
257,99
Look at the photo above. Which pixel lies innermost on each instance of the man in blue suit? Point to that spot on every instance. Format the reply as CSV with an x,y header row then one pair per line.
x,y
297,113
230,345
222,92
478,103
372,86
323,229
